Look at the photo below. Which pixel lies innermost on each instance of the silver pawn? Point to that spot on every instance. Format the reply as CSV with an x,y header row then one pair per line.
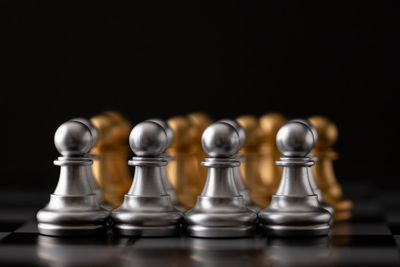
x,y
164,174
237,176
220,211
92,182
147,209
311,178
73,208
295,209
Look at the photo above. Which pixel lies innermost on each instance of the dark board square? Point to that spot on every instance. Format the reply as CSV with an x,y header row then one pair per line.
x,y
395,228
20,239
9,226
363,241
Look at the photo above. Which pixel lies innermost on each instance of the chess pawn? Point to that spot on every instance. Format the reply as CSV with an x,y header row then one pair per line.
x,y
220,211
164,174
73,208
199,121
324,173
259,192
237,175
147,209
310,174
295,209
270,173
111,170
92,182
184,172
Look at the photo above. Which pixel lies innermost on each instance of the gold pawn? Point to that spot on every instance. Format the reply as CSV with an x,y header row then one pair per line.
x,y
183,171
270,173
111,169
200,121
323,169
259,192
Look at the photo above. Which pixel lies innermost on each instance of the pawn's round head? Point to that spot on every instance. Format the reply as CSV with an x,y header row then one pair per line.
x,y
238,128
220,139
295,139
92,128
327,131
312,128
148,139
73,138
168,130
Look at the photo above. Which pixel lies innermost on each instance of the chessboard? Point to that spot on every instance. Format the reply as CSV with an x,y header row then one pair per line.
x,y
370,238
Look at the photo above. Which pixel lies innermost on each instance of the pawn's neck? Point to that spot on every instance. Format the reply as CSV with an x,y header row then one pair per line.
x,y
147,180
295,181
220,181
73,180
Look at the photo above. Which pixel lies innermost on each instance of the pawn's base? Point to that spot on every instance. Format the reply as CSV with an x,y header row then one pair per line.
x,y
56,220
219,232
145,231
298,230
72,230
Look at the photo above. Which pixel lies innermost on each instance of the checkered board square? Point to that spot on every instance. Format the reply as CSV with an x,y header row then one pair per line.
x,y
371,238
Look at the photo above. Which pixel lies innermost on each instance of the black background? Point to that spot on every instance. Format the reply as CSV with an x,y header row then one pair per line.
x,y
336,59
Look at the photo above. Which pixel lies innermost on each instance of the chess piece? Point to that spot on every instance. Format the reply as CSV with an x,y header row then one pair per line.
x,y
259,192
237,176
310,174
147,209
111,170
270,173
294,208
73,208
199,121
220,211
92,182
164,174
184,172
324,173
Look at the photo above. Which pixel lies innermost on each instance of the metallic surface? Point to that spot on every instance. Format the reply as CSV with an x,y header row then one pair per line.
x,y
147,209
220,210
184,172
237,176
164,174
259,191
295,209
323,170
270,173
295,138
111,169
147,140
218,140
313,158
73,209
89,173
